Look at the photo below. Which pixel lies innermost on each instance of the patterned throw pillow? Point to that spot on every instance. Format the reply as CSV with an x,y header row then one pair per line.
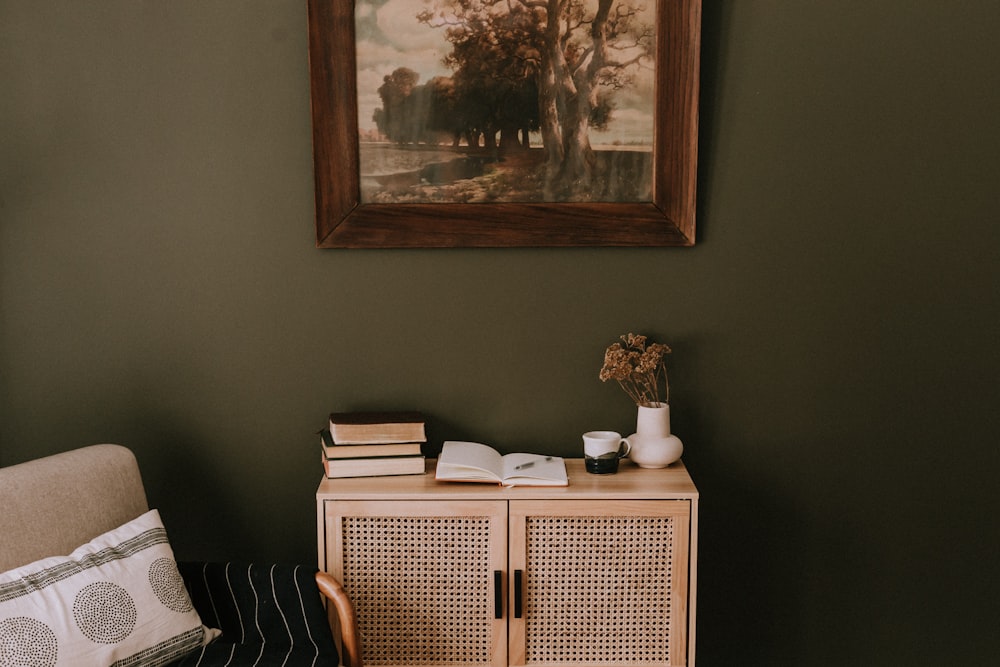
x,y
117,600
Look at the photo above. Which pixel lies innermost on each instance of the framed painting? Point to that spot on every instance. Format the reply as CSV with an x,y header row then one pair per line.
x,y
439,123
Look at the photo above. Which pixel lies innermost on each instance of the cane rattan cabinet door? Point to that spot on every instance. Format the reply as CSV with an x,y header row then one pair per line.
x,y
599,582
427,578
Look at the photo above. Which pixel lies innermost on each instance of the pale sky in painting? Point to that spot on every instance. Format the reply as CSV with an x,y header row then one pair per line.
x,y
388,37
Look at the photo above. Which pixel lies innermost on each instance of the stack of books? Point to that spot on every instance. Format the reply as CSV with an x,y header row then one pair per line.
x,y
370,444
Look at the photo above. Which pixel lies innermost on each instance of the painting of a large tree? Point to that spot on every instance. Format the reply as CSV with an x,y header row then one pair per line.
x,y
449,123
459,92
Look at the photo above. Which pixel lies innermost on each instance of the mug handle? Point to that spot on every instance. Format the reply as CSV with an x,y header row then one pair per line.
x,y
628,448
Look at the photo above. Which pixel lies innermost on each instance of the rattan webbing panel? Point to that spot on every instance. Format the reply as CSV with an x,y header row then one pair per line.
x,y
610,603
421,587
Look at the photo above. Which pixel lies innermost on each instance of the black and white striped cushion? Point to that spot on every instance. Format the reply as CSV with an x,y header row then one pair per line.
x,y
268,614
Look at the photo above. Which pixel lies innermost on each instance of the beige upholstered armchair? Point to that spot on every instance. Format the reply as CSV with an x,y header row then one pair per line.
x,y
87,576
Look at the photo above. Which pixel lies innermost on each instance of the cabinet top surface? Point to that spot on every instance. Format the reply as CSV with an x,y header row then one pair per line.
x,y
629,482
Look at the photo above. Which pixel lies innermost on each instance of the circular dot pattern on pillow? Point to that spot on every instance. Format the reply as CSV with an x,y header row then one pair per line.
x,y
27,642
104,612
168,586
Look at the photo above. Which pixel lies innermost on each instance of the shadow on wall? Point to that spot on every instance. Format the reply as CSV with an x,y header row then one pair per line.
x,y
752,580
184,485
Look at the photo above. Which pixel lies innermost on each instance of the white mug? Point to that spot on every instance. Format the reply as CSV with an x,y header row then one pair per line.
x,y
598,444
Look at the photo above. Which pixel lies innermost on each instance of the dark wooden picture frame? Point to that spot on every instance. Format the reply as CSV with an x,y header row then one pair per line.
x,y
342,221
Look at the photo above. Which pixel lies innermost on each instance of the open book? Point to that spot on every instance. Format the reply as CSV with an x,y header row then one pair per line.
x,y
473,462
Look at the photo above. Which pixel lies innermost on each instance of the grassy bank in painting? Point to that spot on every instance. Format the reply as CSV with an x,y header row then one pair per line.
x,y
419,174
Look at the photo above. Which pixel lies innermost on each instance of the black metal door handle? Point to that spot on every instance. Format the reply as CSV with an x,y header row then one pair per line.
x,y
518,592
497,594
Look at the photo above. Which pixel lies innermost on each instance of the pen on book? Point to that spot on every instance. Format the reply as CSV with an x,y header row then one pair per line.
x,y
531,463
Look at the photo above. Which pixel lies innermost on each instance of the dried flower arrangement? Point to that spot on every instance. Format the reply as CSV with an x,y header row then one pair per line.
x,y
638,367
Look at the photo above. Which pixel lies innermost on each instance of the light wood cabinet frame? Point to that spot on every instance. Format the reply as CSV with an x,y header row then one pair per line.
x,y
474,544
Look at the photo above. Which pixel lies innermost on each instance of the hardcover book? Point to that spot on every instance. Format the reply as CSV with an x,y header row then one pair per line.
x,y
374,467
332,451
372,428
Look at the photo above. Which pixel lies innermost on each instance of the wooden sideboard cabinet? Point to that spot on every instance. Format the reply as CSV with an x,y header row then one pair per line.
x,y
601,572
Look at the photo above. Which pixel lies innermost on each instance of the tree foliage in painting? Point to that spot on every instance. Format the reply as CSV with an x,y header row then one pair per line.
x,y
551,66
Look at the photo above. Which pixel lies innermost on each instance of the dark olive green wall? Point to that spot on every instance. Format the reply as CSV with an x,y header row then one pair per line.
x,y
835,329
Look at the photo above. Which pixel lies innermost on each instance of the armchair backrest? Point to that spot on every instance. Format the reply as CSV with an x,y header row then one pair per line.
x,y
52,505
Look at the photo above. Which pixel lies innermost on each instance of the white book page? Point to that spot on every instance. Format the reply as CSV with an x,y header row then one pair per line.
x,y
533,466
466,458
